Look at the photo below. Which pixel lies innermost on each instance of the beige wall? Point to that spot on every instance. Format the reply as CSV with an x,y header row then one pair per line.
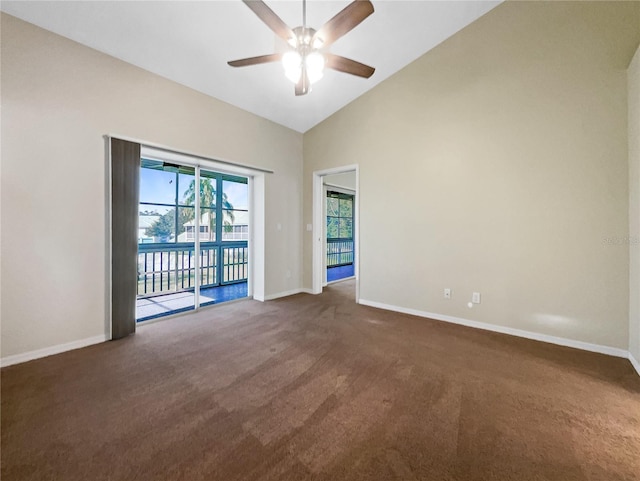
x,y
634,206
499,159
58,100
346,180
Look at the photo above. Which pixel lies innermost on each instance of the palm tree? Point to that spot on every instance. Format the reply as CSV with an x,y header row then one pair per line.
x,y
207,199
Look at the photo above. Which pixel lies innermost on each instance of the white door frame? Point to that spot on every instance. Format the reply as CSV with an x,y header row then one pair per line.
x,y
319,227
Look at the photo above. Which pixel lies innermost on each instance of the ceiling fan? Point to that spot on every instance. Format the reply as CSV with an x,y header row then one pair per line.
x,y
308,56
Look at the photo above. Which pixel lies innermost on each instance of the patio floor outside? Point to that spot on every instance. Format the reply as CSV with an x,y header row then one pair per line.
x,y
163,305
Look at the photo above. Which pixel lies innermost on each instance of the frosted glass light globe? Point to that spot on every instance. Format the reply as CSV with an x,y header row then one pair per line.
x,y
292,63
315,66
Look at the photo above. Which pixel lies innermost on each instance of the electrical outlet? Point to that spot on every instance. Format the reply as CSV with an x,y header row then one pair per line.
x,y
447,293
475,298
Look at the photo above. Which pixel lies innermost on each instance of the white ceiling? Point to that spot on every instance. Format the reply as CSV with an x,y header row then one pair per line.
x,y
190,43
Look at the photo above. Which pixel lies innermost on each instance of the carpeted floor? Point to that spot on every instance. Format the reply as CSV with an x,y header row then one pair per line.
x,y
319,388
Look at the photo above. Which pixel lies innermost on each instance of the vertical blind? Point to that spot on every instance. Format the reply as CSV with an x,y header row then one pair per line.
x,y
125,193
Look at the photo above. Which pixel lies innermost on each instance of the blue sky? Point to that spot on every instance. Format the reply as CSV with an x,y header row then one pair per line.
x,y
157,186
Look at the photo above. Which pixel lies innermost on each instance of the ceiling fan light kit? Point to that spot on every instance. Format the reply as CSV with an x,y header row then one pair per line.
x,y
305,55
304,64
294,63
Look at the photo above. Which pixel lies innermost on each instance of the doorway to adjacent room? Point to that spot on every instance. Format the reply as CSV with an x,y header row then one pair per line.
x,y
335,227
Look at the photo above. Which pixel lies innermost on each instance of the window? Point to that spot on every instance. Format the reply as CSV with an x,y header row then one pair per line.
x,y
166,202
339,216
204,232
339,229
235,208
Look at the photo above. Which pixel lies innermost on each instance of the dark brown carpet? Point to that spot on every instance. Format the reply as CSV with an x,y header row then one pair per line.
x,y
319,388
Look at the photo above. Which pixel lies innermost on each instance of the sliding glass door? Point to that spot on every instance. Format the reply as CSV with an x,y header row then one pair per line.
x,y
171,277
224,232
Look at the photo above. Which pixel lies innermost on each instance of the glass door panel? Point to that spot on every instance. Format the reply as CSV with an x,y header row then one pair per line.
x,y
166,263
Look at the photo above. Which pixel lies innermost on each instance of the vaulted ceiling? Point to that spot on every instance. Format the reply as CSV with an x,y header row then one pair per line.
x,y
190,43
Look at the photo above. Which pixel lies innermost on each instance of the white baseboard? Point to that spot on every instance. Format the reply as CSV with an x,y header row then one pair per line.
x,y
585,346
611,351
292,292
49,351
634,363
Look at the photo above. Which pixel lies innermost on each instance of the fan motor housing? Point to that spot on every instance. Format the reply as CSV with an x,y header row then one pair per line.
x,y
303,38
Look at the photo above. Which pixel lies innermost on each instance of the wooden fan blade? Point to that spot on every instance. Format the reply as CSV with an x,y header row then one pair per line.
x,y
268,16
346,65
302,87
245,62
346,20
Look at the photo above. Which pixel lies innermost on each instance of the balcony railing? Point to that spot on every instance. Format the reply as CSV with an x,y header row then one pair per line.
x,y
165,268
339,252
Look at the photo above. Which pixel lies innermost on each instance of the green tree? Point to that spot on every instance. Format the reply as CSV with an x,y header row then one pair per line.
x,y
165,225
208,199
